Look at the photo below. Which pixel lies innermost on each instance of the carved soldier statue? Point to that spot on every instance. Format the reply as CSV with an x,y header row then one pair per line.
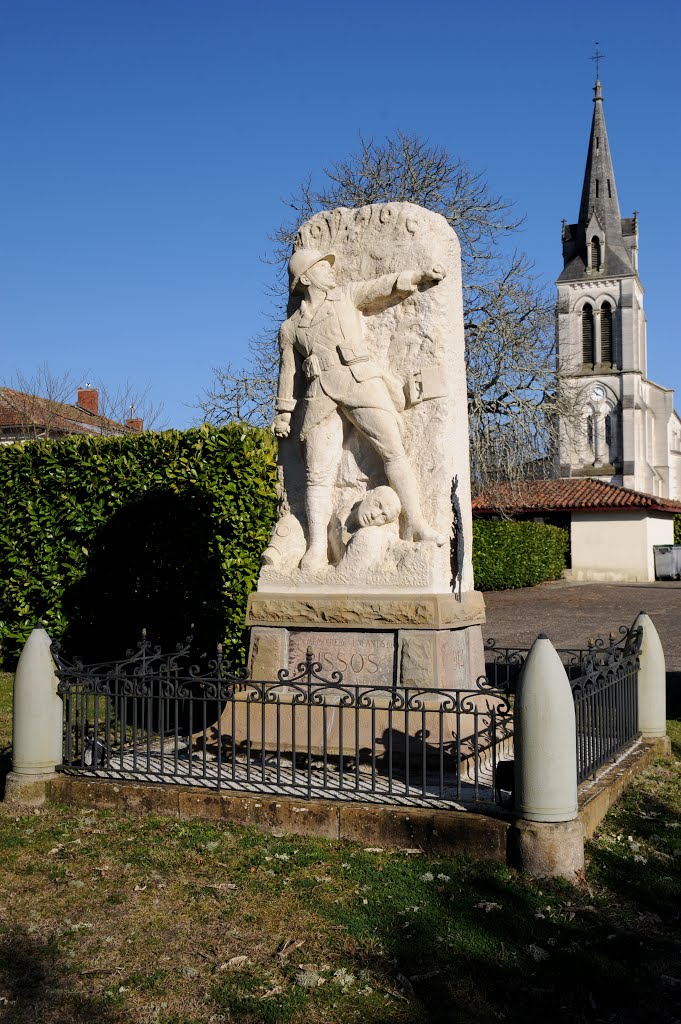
x,y
342,381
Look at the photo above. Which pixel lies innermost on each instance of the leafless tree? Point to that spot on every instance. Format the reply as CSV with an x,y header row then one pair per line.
x,y
245,394
515,398
128,401
42,404
406,168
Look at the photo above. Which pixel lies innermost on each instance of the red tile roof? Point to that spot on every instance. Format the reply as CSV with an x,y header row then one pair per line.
x,y
22,413
569,495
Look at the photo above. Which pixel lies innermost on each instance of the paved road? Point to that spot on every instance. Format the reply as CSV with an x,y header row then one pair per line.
x,y
571,612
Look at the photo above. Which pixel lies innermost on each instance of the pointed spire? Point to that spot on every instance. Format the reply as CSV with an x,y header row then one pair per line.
x,y
599,193
600,244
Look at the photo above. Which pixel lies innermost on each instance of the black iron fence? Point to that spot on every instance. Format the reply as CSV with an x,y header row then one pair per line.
x,y
158,717
606,702
161,717
503,665
604,681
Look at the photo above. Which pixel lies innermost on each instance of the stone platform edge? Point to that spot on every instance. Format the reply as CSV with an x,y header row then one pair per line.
x,y
485,836
597,797
365,611
428,830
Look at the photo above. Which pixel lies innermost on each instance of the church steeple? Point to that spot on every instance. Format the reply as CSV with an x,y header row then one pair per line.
x,y
601,243
599,193
629,433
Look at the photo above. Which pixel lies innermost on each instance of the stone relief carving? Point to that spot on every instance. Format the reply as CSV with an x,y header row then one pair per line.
x,y
344,383
366,378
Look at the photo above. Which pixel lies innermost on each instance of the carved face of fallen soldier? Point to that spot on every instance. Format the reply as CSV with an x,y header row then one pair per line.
x,y
380,506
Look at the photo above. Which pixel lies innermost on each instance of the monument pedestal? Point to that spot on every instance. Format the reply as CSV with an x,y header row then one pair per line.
x,y
382,639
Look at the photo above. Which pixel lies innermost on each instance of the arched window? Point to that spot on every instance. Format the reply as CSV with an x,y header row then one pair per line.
x,y
588,334
606,333
611,432
590,430
595,253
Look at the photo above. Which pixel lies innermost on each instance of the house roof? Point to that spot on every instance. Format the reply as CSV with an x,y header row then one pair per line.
x,y
21,413
569,495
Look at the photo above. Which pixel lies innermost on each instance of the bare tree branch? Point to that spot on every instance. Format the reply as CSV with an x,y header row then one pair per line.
x,y
42,404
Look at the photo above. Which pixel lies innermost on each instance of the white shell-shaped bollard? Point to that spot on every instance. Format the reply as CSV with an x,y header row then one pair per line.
x,y
545,738
37,717
652,682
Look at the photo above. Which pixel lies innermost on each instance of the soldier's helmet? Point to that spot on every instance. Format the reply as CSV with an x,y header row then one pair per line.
x,y
302,260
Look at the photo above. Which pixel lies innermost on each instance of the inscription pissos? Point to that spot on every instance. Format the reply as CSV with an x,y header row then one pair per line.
x,y
369,656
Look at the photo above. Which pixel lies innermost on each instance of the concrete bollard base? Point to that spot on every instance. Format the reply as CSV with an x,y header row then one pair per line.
x,y
663,744
27,790
547,849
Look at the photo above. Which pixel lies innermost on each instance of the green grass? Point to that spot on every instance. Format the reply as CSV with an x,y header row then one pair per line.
x,y
114,918
5,728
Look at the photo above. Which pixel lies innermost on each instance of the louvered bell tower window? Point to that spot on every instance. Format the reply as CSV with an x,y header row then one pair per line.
x,y
588,335
595,253
606,333
590,431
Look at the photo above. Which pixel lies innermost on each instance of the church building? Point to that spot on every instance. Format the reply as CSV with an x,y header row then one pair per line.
x,y
629,434
616,483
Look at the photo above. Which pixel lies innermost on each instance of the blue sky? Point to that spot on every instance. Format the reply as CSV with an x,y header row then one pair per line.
x,y
148,145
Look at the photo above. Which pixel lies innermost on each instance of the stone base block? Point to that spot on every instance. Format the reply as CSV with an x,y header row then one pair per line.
x,y
663,744
429,640
361,610
446,658
269,652
27,790
373,657
547,849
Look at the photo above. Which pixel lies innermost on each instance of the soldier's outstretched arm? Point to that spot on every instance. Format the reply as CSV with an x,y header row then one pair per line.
x,y
391,288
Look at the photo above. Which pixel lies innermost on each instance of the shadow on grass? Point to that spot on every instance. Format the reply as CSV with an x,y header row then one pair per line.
x,y
674,695
508,964
485,944
38,989
5,767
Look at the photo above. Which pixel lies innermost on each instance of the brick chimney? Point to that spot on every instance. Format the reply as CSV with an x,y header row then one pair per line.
x,y
135,424
88,399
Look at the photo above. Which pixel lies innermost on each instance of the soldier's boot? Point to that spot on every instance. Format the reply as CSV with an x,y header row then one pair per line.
x,y
402,480
318,508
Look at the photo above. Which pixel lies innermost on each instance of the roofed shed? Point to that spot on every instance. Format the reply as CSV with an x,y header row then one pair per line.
x,y
612,529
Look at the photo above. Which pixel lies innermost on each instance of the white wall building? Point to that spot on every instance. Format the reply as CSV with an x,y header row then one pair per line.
x,y
613,530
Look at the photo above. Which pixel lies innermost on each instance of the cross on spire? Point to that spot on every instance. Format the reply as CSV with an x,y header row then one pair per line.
x,y
597,57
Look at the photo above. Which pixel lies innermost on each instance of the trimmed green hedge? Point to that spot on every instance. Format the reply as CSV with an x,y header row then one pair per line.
x,y
100,537
510,554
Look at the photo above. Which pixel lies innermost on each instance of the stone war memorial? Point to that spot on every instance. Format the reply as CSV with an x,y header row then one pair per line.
x,y
364,712
369,563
